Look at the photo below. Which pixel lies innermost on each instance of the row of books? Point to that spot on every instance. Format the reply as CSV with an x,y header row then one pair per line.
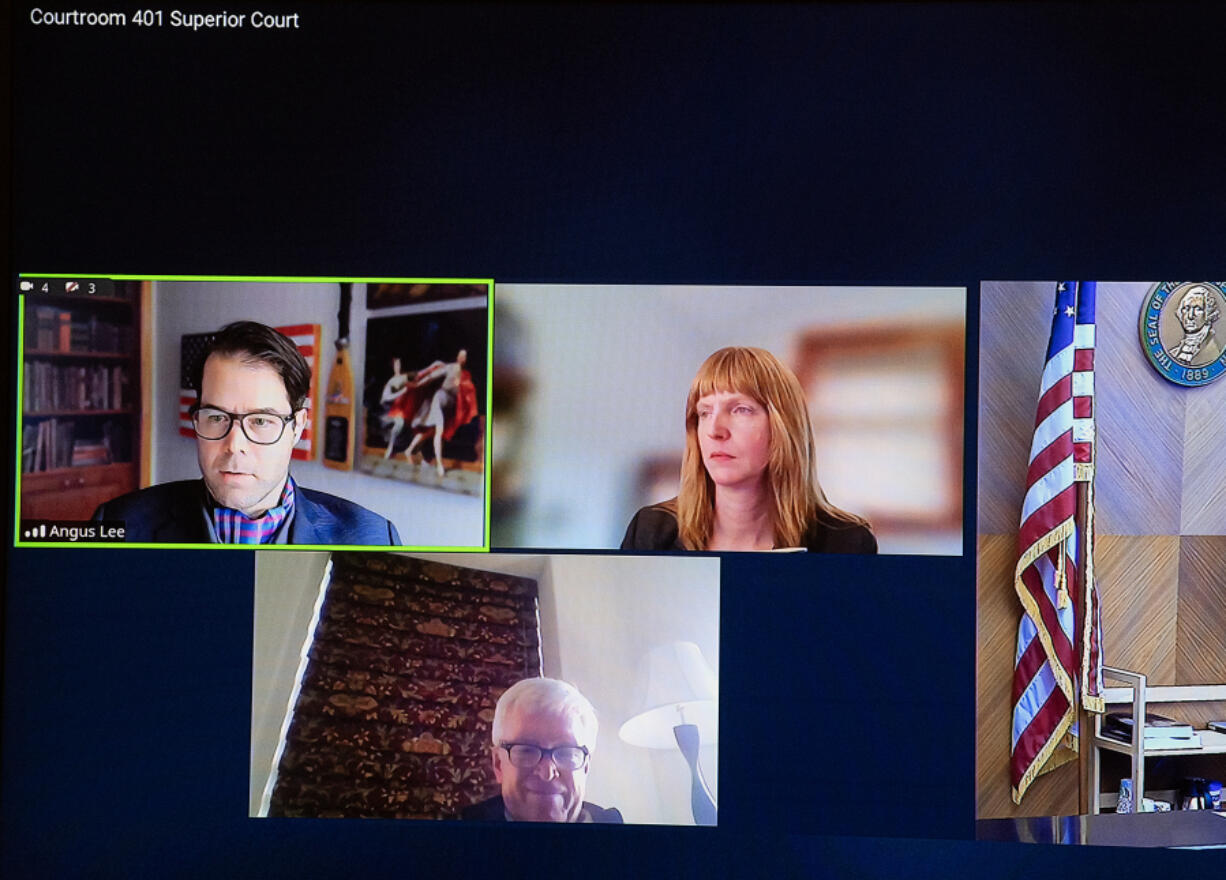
x,y
52,444
49,328
1159,732
47,387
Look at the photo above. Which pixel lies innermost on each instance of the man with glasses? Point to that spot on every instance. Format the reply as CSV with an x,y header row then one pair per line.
x,y
249,412
543,734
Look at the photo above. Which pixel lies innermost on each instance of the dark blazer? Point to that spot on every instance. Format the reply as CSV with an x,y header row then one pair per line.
x,y
494,810
655,528
177,513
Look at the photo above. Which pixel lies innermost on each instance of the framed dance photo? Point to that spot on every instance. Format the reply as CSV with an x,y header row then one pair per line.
x,y
424,398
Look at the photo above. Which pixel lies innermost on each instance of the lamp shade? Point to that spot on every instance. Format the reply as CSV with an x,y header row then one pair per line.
x,y
675,686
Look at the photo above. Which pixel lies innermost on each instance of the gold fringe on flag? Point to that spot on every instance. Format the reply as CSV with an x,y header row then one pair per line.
x,y
1061,747
1056,752
1090,702
1056,537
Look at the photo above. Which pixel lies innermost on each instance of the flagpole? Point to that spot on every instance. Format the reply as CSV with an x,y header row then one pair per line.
x,y
1086,614
1085,720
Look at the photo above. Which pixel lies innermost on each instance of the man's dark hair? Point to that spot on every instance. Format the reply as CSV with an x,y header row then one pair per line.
x,y
253,342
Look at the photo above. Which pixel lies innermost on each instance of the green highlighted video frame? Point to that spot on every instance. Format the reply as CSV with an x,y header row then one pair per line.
x,y
29,297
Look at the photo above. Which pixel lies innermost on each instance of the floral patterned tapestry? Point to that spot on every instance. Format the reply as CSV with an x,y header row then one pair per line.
x,y
405,667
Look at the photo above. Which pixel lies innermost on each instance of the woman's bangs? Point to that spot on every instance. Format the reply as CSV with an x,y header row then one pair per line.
x,y
731,371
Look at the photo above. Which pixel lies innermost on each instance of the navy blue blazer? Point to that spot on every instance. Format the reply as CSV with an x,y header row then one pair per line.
x,y
177,513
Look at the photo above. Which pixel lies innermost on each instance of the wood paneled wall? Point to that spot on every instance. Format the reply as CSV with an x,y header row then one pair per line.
x,y
1161,518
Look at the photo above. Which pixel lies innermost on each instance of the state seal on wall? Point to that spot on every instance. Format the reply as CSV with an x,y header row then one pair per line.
x,y
1179,331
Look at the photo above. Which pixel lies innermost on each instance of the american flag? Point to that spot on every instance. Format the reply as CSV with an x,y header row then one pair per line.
x,y
1053,653
192,348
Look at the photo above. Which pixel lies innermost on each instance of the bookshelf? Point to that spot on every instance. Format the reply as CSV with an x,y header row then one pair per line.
x,y
80,419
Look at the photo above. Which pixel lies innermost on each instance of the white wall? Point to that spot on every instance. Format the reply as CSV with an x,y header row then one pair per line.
x,y
599,616
286,588
610,367
424,516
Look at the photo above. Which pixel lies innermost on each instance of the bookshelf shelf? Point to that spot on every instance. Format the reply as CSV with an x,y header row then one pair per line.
x,y
74,300
1212,743
79,355
76,413
68,477
1138,695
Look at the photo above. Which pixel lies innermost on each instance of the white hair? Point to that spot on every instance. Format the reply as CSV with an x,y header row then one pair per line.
x,y
547,696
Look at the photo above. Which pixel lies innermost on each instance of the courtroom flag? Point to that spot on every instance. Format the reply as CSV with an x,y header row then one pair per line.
x,y
1052,651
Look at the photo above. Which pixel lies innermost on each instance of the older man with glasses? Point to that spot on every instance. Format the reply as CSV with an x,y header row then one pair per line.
x,y
544,732
250,411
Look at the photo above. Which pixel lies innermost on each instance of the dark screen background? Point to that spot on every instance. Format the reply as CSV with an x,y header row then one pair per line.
x,y
860,143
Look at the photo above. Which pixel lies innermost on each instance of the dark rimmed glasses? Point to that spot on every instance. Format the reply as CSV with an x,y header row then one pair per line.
x,y
526,756
261,428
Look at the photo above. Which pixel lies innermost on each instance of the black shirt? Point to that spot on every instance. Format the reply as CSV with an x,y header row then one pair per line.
x,y
655,528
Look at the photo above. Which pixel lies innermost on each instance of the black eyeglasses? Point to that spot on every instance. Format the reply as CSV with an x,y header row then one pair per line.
x,y
261,428
526,755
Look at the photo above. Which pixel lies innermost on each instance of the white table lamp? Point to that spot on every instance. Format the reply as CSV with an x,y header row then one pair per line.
x,y
678,707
